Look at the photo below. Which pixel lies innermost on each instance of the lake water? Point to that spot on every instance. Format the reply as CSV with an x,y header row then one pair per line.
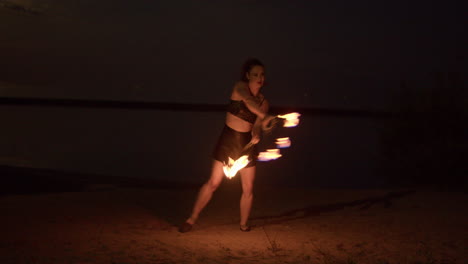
x,y
325,151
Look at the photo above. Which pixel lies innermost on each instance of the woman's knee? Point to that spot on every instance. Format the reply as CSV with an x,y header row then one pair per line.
x,y
247,190
248,195
216,176
212,185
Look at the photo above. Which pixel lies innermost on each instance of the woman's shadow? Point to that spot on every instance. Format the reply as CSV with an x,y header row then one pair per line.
x,y
315,210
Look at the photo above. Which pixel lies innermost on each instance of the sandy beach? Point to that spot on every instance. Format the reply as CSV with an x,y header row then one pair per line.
x,y
105,223
110,112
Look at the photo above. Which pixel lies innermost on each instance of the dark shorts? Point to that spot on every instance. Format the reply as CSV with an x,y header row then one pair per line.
x,y
231,144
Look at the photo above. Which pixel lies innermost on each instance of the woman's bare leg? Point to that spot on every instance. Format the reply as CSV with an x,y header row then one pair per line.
x,y
206,191
247,178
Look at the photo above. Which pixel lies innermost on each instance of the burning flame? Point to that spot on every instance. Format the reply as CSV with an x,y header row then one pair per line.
x,y
291,119
269,154
233,166
283,142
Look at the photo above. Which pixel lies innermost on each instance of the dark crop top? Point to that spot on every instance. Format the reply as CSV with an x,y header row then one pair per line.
x,y
239,109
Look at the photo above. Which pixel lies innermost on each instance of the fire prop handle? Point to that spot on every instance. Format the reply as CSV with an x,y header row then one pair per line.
x,y
233,166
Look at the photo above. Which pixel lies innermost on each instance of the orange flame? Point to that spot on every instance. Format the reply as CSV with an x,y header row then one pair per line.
x,y
283,142
291,119
233,166
269,154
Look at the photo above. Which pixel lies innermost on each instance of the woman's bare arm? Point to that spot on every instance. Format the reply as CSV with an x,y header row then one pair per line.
x,y
241,91
257,127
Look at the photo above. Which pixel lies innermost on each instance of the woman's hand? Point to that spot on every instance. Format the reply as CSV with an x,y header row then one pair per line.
x,y
255,139
269,122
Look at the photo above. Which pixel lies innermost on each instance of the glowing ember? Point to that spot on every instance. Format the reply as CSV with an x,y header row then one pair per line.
x,y
270,154
291,119
233,166
283,142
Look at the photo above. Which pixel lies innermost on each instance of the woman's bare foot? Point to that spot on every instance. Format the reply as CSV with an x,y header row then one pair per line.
x,y
245,228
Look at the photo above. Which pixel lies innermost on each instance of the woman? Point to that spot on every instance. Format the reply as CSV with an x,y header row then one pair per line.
x,y
245,119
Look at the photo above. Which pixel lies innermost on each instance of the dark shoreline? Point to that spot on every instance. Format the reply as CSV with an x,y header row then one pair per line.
x,y
26,181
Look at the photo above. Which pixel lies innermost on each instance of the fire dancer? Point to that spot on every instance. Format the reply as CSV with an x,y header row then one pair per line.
x,y
246,117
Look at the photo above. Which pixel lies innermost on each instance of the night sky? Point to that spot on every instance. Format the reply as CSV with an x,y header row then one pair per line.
x,y
333,54
348,54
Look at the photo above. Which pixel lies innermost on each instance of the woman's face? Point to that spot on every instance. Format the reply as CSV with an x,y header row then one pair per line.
x,y
256,77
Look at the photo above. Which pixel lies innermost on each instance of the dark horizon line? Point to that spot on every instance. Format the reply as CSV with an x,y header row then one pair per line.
x,y
171,106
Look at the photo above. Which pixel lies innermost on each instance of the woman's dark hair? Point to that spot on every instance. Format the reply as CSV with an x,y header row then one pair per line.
x,y
247,66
